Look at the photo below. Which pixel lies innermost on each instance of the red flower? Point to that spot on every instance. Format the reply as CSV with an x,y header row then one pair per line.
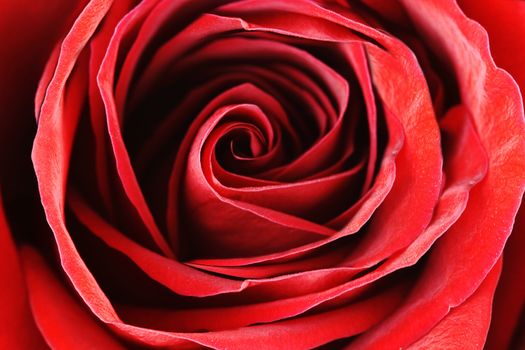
x,y
261,174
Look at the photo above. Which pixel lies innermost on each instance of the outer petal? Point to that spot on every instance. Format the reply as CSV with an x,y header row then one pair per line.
x,y
505,24
63,321
509,303
460,261
17,327
465,327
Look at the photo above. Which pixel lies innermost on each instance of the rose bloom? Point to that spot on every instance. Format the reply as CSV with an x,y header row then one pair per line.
x,y
262,174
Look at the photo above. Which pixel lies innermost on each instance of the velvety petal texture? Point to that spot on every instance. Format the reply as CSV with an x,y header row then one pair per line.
x,y
504,23
242,174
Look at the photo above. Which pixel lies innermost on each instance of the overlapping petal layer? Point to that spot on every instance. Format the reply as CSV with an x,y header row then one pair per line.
x,y
275,169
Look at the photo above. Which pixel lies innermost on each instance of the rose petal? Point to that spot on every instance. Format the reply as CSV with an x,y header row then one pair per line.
x,y
246,50
275,230
105,79
24,51
451,206
171,273
156,15
18,326
96,107
51,172
369,203
315,330
463,257
324,260
357,57
312,195
423,152
64,323
418,164
509,303
504,23
466,325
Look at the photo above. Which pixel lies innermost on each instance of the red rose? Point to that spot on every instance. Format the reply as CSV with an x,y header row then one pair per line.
x,y
261,174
